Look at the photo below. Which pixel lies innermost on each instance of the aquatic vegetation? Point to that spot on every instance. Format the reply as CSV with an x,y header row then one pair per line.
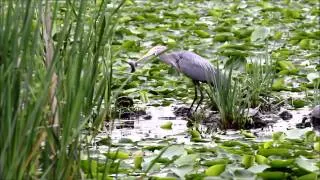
x,y
291,155
229,97
56,76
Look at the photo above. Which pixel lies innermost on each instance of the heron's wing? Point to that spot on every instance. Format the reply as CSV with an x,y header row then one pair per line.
x,y
194,66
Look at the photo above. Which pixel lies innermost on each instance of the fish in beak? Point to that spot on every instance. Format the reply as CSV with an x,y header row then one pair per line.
x,y
155,51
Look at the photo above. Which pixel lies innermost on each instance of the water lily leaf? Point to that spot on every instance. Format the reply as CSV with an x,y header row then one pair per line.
x,y
216,161
298,103
287,65
278,136
258,168
311,176
278,85
280,163
275,151
182,170
215,170
247,161
184,160
312,76
195,134
174,151
269,175
166,125
261,159
223,37
202,34
306,164
117,155
260,34
247,134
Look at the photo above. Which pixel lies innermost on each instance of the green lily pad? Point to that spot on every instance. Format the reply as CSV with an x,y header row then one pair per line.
x,y
298,103
117,155
275,151
185,160
306,164
247,134
166,125
260,34
195,134
247,161
273,175
261,159
202,34
287,66
279,85
311,176
215,170
280,163
258,168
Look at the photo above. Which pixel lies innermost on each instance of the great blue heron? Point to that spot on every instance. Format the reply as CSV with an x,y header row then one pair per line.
x,y
192,65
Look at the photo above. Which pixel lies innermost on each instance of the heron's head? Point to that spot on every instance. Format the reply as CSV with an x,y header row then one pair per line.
x,y
155,51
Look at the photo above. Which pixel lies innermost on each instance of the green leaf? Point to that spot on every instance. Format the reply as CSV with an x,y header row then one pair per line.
x,y
174,151
298,103
287,65
258,168
166,125
195,134
280,163
184,160
311,176
182,170
117,155
202,34
316,146
138,158
261,159
275,151
260,34
247,161
215,170
273,175
278,85
247,134
306,164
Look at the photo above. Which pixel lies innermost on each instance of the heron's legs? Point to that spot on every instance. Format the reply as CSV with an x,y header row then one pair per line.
x,y
196,84
201,98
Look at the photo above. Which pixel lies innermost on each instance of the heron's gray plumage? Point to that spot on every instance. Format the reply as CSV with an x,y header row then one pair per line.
x,y
190,64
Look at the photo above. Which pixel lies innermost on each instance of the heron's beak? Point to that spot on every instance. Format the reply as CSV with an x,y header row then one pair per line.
x,y
144,58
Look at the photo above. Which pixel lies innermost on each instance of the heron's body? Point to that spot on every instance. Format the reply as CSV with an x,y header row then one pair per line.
x,y
192,65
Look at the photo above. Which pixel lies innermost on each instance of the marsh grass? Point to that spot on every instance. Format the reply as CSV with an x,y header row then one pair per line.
x,y
51,89
233,96
230,99
258,79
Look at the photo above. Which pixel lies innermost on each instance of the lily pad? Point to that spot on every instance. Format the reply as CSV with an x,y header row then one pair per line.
x,y
215,170
166,125
306,164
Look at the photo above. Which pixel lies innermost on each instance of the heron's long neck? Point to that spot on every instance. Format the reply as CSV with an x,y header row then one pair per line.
x,y
167,58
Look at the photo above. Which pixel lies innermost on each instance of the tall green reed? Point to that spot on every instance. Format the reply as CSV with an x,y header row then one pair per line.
x,y
56,75
228,96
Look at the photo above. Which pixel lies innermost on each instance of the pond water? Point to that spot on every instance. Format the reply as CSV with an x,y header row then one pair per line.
x,y
141,128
